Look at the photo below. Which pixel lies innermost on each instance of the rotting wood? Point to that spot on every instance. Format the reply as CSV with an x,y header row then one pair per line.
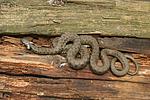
x,y
104,17
30,76
73,88
15,56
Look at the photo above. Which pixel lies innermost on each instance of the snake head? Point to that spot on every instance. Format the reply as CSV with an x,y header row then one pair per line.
x,y
26,43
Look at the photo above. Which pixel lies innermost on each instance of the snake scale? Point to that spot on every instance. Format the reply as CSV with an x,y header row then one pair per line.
x,y
77,48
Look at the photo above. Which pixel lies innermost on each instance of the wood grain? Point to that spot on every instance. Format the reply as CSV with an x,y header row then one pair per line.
x,y
73,88
126,44
27,76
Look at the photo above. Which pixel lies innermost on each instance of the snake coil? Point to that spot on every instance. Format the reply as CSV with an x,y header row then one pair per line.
x,y
77,48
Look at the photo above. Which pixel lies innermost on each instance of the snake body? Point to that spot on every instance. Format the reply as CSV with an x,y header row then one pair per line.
x,y
71,53
96,55
77,47
122,72
57,49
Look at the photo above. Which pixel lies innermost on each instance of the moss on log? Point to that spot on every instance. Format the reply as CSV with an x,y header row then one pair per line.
x,y
104,17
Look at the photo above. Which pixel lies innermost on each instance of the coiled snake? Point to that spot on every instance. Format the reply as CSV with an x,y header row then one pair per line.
x,y
86,57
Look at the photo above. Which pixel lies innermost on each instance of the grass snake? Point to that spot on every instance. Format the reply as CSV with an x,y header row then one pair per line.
x,y
77,48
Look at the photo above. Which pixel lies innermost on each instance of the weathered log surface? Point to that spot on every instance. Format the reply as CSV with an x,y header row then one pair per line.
x,y
25,75
104,17
126,44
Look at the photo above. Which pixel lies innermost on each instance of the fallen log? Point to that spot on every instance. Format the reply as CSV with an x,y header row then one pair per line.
x,y
30,76
102,17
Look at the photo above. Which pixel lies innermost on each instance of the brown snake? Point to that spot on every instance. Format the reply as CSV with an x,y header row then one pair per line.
x,y
85,57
